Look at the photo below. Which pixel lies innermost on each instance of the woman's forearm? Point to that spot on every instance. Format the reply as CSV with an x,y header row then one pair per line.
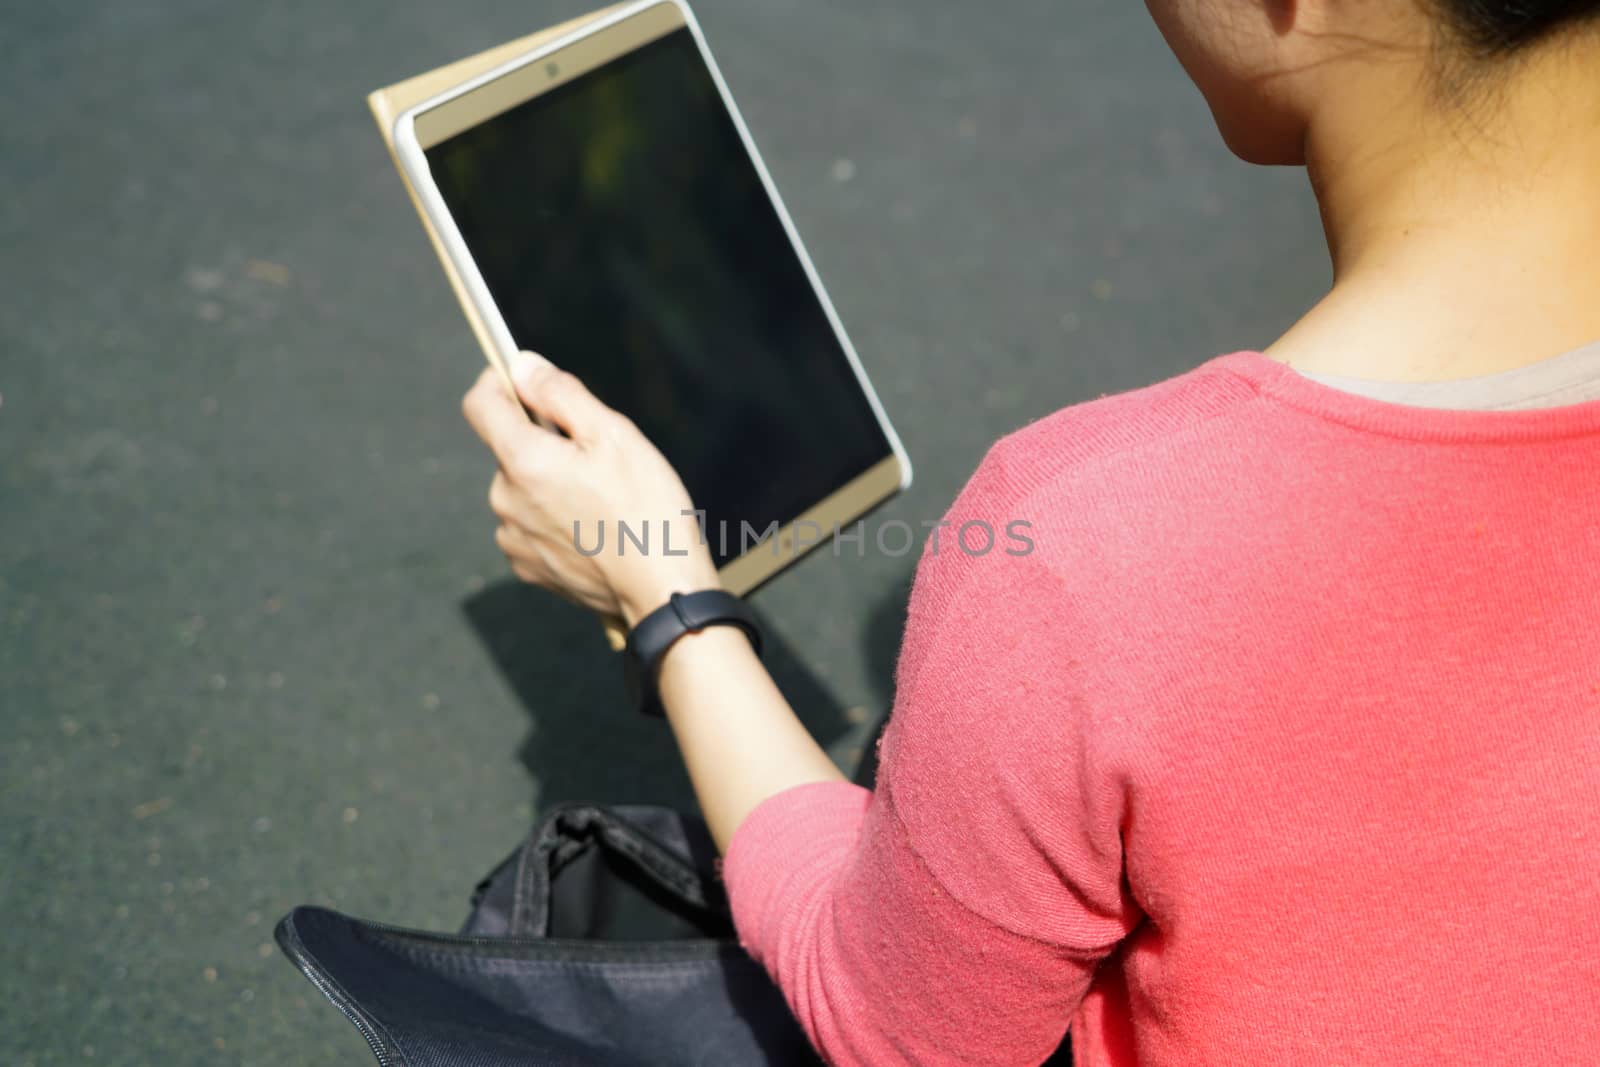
x,y
740,739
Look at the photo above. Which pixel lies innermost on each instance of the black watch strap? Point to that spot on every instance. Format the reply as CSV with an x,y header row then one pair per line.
x,y
683,613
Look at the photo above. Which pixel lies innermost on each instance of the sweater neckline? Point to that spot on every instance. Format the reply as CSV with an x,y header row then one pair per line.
x,y
1283,383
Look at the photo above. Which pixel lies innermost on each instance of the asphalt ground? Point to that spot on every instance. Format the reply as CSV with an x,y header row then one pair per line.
x,y
256,646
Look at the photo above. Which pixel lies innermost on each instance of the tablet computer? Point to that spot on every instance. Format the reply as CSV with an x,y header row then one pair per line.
x,y
601,202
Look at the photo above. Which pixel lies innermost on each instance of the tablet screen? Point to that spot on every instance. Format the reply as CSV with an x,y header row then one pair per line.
x,y
624,232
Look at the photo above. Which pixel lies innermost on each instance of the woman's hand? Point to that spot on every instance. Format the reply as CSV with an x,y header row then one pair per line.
x,y
557,497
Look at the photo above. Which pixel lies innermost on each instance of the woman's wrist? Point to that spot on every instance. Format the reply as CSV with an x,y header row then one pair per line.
x,y
653,591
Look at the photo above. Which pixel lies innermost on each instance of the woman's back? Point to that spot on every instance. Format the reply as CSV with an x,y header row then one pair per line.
x,y
1282,745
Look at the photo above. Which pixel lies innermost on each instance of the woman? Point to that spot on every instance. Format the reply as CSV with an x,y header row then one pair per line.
x,y
1283,745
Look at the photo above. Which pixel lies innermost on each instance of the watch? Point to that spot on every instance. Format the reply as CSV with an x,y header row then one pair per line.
x,y
683,613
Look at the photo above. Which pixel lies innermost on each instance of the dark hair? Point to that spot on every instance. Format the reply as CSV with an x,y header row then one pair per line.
x,y
1500,27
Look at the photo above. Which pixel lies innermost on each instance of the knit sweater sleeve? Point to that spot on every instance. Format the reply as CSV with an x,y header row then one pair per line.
x,y
956,914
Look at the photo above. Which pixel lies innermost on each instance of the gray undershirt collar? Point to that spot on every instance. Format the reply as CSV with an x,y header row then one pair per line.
x,y
1570,378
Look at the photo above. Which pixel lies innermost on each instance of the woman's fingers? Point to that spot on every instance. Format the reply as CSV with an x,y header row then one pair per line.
x,y
522,520
528,561
532,562
516,543
519,445
503,499
556,395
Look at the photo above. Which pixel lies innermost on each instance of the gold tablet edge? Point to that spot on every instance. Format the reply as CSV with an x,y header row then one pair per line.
x,y
388,103
570,61
844,505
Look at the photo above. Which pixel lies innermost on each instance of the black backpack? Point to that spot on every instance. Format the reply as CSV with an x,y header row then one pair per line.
x,y
604,939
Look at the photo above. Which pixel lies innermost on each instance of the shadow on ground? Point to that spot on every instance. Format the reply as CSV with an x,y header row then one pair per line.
x,y
584,741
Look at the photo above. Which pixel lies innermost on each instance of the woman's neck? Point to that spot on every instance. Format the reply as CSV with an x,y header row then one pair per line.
x,y
1464,236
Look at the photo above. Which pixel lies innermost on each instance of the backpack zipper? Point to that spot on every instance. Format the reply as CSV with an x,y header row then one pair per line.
x,y
289,941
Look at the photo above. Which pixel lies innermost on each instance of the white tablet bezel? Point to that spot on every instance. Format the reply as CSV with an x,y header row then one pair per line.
x,y
570,56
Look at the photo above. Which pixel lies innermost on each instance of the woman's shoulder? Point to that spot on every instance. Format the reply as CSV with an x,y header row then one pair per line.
x,y
1056,496
1082,435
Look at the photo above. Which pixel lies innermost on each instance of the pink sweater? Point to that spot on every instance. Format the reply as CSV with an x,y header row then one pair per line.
x,y
1282,746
